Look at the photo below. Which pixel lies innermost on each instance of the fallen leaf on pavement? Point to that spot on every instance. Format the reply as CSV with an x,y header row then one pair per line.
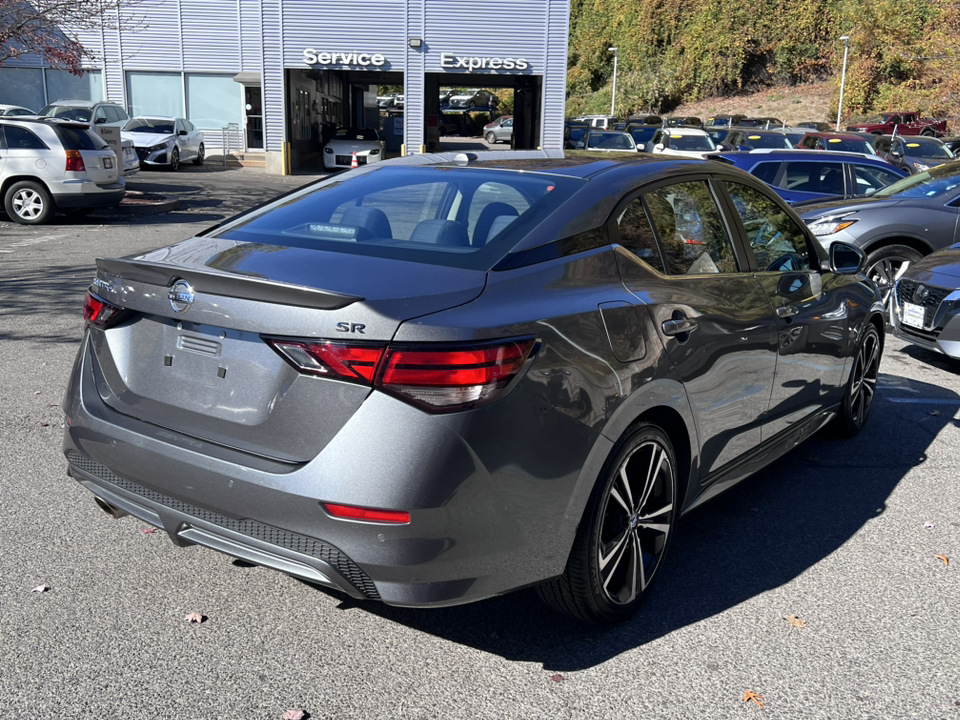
x,y
943,558
148,531
557,677
750,695
37,392
795,620
295,715
195,618
41,588
936,413
927,525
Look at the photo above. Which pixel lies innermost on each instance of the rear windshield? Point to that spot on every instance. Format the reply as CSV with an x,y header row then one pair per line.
x,y
80,114
610,141
691,142
768,141
75,138
924,148
455,216
845,145
642,135
145,125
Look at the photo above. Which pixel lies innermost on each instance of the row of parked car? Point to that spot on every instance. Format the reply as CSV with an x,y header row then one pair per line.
x,y
54,160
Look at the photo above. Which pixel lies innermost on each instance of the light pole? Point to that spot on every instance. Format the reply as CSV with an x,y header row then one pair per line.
x,y
843,76
613,101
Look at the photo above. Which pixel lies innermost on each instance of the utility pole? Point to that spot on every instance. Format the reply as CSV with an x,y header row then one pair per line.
x,y
613,101
843,77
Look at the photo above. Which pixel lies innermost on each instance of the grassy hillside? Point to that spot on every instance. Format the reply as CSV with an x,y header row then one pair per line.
x,y
903,53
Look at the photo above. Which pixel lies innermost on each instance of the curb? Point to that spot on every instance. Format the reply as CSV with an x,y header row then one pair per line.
x,y
140,203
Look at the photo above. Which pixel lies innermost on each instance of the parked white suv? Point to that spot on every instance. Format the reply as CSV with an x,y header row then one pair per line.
x,y
48,165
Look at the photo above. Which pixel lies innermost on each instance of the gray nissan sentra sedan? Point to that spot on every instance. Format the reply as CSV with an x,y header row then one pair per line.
x,y
437,380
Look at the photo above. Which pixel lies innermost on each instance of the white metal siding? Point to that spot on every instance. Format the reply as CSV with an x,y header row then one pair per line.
x,y
274,102
211,35
493,28
555,74
251,36
413,108
370,26
155,44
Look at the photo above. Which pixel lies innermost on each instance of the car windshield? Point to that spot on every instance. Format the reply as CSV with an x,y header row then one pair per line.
x,y
464,217
357,134
718,122
850,145
691,142
768,141
80,114
610,141
932,183
148,125
642,135
931,149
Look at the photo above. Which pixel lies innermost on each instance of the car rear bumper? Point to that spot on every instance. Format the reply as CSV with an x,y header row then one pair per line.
x,y
474,532
87,194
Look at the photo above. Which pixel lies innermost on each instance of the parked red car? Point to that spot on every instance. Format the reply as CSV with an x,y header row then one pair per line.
x,y
902,123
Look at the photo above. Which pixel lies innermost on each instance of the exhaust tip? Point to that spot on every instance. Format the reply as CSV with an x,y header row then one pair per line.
x,y
111,510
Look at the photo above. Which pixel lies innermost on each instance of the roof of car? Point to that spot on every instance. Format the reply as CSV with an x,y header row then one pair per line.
x,y
81,103
37,120
154,117
843,135
910,138
575,163
685,131
802,154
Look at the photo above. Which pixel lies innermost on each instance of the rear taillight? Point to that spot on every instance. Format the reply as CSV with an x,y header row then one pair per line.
x,y
352,512
436,378
98,312
74,161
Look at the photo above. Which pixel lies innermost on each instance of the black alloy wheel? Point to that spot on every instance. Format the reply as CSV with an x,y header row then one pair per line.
x,y
201,155
885,266
624,534
174,160
862,386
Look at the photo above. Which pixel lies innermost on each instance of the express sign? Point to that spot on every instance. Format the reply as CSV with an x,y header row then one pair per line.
x,y
450,61
312,57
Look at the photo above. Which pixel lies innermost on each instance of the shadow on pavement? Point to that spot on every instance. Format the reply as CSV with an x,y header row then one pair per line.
x,y
758,536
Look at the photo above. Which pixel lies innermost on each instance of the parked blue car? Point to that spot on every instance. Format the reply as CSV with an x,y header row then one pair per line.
x,y
802,175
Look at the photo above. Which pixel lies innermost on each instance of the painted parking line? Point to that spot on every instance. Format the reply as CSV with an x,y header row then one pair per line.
x,y
32,241
924,401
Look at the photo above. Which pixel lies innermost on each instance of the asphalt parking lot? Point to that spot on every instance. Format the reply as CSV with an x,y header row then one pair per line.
x,y
816,584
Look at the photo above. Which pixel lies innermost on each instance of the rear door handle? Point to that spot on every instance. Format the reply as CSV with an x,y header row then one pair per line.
x,y
679,326
786,311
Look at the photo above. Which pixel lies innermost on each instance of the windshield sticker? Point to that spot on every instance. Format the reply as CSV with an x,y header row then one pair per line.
x,y
913,144
753,137
834,140
676,137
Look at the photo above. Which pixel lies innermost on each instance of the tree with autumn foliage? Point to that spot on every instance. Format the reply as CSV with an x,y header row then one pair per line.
x,y
50,28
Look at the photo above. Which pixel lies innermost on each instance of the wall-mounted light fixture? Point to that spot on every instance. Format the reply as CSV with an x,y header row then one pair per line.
x,y
415,42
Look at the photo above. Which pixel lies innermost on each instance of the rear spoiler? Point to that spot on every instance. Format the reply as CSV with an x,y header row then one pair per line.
x,y
244,287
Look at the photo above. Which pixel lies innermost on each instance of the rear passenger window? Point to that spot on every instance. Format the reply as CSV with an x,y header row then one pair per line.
x,y
766,171
870,179
19,138
492,208
636,234
112,114
691,231
815,177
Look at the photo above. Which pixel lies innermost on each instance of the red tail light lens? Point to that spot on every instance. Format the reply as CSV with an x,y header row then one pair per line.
x,y
435,378
453,378
74,161
353,363
350,512
98,312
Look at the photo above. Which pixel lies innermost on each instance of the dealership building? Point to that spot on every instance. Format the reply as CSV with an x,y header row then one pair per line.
x,y
275,72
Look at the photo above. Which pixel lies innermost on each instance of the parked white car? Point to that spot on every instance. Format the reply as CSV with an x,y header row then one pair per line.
x,y
131,163
366,143
15,110
683,142
165,141
608,141
51,165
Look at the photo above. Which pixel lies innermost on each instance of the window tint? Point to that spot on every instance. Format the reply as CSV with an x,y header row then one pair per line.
x,y
766,171
636,234
870,179
815,177
112,114
121,113
80,139
691,230
778,242
19,138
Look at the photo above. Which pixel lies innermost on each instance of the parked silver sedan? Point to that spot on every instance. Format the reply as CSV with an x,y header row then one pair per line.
x,y
15,110
165,141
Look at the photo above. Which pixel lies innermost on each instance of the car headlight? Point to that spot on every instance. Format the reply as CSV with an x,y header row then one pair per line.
x,y
921,167
830,224
161,146
328,150
375,152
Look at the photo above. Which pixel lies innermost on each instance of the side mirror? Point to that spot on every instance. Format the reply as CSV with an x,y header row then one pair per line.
x,y
846,259
658,146
896,154
100,121
181,132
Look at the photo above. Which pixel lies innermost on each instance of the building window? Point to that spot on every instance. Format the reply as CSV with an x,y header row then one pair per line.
x,y
155,93
23,87
62,85
213,101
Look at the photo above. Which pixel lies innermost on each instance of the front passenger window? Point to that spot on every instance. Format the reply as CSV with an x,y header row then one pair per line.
x,y
777,241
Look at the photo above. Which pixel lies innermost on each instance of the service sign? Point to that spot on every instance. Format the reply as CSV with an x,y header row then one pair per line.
x,y
311,56
449,61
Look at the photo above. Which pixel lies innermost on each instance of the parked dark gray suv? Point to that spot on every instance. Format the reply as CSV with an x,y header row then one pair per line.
x,y
439,379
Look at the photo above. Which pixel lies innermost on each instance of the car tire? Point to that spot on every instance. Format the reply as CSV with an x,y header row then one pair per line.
x,y
491,138
201,155
928,133
885,265
861,386
175,160
624,533
28,203
471,104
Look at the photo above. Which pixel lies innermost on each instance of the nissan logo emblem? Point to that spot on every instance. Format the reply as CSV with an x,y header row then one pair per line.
x,y
920,294
180,296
